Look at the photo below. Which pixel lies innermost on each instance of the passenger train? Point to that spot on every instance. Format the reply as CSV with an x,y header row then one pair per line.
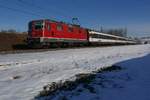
x,y
48,33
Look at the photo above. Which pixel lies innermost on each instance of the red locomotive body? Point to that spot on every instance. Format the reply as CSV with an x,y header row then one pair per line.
x,y
48,32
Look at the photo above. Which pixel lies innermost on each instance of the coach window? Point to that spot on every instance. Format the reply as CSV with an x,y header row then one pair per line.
x,y
94,35
59,27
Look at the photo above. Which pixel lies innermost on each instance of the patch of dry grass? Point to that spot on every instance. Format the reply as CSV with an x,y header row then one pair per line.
x,y
8,41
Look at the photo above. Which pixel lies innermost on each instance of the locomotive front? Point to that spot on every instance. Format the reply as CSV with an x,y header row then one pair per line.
x,y
35,32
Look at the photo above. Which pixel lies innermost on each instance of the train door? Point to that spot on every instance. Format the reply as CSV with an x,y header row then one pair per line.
x,y
47,29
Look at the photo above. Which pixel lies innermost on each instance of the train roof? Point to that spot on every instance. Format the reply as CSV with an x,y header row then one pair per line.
x,y
61,22
96,32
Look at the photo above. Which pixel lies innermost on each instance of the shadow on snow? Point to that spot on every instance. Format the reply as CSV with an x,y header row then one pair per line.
x,y
123,76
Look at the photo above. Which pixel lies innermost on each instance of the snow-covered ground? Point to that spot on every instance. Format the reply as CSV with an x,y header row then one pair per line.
x,y
131,81
22,76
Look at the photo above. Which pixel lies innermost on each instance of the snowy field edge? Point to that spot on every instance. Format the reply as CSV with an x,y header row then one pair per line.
x,y
23,76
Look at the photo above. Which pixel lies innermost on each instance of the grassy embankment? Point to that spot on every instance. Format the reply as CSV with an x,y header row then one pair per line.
x,y
12,41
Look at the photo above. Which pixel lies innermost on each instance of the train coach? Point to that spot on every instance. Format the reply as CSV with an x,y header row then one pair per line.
x,y
49,33
98,38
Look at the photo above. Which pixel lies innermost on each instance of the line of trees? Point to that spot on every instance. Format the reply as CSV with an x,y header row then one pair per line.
x,y
118,32
11,31
8,31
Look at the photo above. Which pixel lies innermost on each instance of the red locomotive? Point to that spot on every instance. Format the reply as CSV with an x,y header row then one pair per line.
x,y
45,33
49,32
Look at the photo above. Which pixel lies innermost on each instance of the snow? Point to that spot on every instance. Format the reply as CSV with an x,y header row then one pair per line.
x,y
130,83
22,76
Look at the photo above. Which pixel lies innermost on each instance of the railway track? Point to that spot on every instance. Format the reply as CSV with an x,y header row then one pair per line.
x,y
39,50
49,49
30,50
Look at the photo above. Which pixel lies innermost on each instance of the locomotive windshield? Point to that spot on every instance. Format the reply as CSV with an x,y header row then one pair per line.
x,y
38,25
30,26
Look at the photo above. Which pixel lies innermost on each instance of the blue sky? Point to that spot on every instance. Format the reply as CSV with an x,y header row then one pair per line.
x,y
133,14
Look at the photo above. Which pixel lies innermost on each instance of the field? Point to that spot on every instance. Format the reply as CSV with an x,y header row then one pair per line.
x,y
24,76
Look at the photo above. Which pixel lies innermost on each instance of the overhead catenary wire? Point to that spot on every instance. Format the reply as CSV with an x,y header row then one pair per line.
x,y
38,14
33,5
44,9
20,11
25,3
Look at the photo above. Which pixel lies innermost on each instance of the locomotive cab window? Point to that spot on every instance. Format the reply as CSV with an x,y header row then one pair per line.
x,y
59,27
38,25
30,26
